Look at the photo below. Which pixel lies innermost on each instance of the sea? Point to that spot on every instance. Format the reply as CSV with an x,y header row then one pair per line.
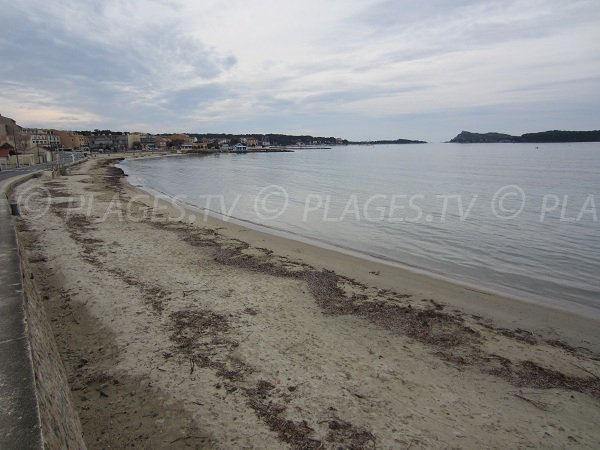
x,y
517,219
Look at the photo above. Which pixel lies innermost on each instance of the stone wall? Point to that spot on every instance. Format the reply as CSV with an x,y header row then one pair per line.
x,y
60,423
61,428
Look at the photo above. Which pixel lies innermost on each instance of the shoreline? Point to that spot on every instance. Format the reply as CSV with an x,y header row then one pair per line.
x,y
506,310
212,335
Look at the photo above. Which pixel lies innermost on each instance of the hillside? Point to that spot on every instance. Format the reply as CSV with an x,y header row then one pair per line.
x,y
466,137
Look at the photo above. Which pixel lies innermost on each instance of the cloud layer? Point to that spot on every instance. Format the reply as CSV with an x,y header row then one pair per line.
x,y
355,69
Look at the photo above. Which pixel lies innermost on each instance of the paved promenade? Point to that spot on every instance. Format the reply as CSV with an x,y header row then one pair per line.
x,y
19,418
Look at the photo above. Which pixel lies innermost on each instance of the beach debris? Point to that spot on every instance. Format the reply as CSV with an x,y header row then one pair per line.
x,y
426,322
530,374
586,371
537,403
297,434
349,435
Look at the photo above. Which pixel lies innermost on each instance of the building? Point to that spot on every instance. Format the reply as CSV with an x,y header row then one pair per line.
x,y
240,148
66,139
24,146
70,139
101,142
38,137
250,141
5,150
162,142
84,142
110,142
180,137
133,140
120,141
9,130
148,141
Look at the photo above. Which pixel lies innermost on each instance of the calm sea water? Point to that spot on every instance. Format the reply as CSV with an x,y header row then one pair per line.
x,y
521,219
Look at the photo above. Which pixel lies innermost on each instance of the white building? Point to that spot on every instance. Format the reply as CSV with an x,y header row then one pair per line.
x,y
41,138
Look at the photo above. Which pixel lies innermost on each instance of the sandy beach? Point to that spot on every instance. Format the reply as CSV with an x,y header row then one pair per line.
x,y
185,332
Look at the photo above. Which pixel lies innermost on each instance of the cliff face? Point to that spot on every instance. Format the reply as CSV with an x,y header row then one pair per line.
x,y
466,137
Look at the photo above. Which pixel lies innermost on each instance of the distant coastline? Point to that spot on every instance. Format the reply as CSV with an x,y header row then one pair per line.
x,y
554,136
381,142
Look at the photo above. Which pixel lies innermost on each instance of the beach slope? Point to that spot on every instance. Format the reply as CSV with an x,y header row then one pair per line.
x,y
186,333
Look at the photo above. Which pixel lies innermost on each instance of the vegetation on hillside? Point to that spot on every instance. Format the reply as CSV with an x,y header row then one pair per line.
x,y
466,137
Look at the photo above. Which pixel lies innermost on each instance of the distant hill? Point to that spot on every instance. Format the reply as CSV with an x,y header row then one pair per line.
x,y
562,136
396,141
466,137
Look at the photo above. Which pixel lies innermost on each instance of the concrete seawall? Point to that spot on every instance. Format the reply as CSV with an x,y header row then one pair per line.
x,y
36,409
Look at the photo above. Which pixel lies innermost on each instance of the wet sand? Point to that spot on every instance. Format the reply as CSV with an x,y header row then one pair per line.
x,y
212,335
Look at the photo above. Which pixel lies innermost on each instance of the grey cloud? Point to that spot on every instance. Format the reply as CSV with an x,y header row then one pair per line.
x,y
443,26
391,14
193,98
351,95
78,70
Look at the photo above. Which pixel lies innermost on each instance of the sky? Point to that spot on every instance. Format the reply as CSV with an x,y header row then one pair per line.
x,y
356,69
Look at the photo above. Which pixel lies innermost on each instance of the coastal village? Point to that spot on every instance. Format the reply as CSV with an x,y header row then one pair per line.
x,y
21,146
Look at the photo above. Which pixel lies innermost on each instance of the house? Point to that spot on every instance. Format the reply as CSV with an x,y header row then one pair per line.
x,y
6,147
5,150
162,142
251,141
240,148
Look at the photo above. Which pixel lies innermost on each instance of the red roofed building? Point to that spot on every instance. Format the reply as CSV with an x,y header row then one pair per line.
x,y
5,150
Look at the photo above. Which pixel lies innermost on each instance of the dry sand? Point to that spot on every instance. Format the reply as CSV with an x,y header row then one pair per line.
x,y
210,335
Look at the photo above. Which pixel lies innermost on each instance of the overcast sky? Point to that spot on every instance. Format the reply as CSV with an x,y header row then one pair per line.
x,y
359,69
